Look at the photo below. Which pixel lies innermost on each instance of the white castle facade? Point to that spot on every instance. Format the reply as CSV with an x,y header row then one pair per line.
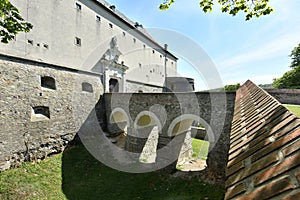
x,y
92,36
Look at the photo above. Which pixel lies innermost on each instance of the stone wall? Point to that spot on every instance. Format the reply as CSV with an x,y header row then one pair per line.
x,y
35,119
286,96
264,152
138,87
214,110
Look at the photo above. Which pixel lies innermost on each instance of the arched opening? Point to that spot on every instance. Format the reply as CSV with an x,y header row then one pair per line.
x,y
40,113
87,87
117,127
148,128
113,85
48,82
194,150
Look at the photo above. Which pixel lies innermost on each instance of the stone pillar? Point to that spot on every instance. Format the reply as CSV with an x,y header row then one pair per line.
x,y
124,82
169,150
137,138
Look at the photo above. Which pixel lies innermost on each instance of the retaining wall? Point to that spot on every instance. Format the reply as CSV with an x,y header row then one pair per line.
x,y
38,118
286,96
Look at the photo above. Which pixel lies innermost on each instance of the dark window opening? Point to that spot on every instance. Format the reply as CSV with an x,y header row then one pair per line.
x,y
78,6
134,40
40,113
48,82
124,34
113,85
77,41
110,25
30,42
98,18
87,87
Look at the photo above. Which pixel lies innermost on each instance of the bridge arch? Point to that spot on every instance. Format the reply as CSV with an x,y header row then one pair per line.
x,y
118,121
183,123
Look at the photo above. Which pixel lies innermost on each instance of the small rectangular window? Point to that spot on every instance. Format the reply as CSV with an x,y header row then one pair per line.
x,y
30,42
134,40
78,6
110,25
77,41
98,18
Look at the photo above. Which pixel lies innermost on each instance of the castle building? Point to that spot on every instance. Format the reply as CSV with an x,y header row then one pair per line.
x,y
93,36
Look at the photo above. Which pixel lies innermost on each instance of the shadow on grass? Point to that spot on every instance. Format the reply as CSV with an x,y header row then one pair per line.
x,y
84,177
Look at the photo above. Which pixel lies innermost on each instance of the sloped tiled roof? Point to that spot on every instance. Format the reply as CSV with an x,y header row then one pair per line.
x,y
264,156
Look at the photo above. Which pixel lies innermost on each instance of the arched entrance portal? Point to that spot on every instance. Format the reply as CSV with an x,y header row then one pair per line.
x,y
113,85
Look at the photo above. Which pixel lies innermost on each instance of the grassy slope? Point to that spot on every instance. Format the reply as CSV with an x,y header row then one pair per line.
x,y
294,108
75,174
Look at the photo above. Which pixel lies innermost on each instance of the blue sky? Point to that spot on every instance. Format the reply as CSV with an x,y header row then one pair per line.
x,y
257,49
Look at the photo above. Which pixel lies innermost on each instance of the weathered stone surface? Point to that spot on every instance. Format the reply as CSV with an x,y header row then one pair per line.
x,y
25,139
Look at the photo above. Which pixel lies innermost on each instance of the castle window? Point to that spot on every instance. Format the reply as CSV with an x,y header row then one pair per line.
x,y
134,40
98,18
40,113
124,34
110,25
30,42
87,87
46,46
153,51
78,6
77,41
140,65
48,82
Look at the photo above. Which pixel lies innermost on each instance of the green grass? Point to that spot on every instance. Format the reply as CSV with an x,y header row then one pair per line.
x,y
75,174
294,109
200,148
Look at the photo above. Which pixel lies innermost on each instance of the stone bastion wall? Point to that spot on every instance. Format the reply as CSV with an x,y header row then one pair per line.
x,y
41,108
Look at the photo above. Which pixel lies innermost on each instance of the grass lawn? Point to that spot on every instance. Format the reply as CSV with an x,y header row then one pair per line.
x,y
294,109
75,174
200,148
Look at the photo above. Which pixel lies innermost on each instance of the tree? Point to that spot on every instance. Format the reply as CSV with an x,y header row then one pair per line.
x,y
295,55
290,79
232,87
11,22
252,8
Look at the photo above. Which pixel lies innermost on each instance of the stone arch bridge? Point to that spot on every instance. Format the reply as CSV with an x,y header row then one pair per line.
x,y
173,114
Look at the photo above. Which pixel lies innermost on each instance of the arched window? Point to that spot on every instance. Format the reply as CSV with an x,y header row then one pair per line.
x,y
48,82
87,87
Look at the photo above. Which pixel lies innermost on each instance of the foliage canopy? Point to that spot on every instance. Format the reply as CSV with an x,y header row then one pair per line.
x,y
11,22
252,8
290,79
232,87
